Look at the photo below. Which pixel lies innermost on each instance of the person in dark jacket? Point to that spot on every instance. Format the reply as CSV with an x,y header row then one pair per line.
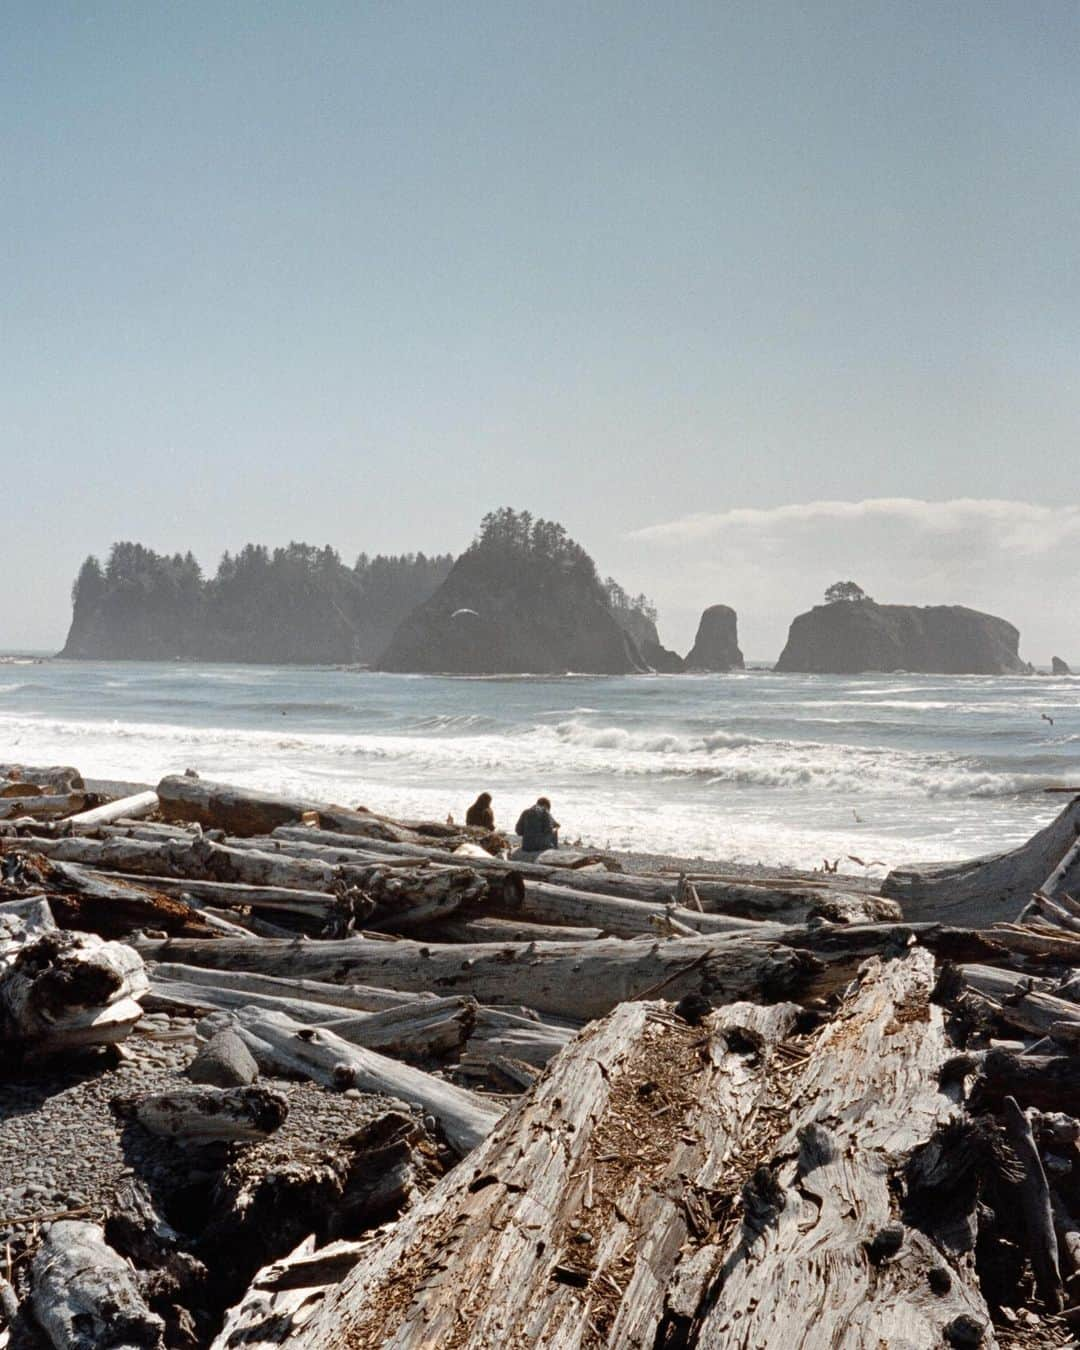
x,y
480,813
538,829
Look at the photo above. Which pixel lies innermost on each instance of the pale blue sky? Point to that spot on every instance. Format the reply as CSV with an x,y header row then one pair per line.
x,y
356,273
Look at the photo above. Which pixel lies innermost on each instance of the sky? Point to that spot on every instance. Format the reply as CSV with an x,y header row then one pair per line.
x,y
750,296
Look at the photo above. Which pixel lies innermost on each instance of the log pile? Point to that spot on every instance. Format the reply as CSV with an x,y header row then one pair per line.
x,y
625,1109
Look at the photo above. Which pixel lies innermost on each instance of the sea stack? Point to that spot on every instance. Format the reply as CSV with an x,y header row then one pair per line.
x,y
716,647
1059,667
642,630
848,637
522,599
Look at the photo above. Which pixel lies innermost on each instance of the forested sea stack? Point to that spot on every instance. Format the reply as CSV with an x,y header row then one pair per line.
x,y
716,647
524,598
846,636
295,604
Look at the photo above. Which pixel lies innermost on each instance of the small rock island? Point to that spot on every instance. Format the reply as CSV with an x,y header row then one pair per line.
x,y
850,634
716,647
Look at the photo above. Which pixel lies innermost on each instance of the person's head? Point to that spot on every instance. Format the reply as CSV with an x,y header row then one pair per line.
x,y
543,801
484,799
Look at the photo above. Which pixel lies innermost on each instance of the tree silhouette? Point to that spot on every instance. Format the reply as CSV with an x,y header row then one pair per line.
x,y
844,590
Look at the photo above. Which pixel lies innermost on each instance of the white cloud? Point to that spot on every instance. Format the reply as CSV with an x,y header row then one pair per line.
x,y
1013,558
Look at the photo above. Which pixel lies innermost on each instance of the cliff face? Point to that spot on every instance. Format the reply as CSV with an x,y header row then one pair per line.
x,y
647,640
506,611
848,637
716,646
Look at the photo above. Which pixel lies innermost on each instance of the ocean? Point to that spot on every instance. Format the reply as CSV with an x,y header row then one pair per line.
x,y
781,769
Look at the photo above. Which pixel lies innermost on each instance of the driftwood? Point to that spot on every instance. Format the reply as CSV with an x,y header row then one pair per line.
x,y
360,997
245,811
750,899
280,1044
1034,1197
41,806
209,1115
586,979
316,905
84,1295
606,1209
56,778
987,890
60,991
131,808
417,1030
113,906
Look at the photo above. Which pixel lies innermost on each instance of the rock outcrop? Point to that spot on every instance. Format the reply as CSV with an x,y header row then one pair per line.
x,y
643,631
848,637
716,646
1059,667
523,599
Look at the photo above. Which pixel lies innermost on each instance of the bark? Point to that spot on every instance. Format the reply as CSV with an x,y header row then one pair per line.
x,y
987,890
318,1053
114,906
84,1295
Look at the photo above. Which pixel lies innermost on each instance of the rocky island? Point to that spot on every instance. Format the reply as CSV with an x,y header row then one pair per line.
x,y
716,647
851,633
524,598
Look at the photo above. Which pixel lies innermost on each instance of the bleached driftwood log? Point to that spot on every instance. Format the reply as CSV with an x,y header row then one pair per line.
x,y
84,1295
41,806
668,1186
246,811
138,804
279,1043
316,905
209,1115
586,979
59,991
415,1030
361,997
988,890
55,778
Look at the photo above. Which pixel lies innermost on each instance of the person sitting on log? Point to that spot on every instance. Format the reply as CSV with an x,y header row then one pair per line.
x,y
537,828
480,813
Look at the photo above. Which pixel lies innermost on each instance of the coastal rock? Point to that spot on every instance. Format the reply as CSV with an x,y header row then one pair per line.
x,y
647,640
848,637
716,646
224,1061
1059,667
523,599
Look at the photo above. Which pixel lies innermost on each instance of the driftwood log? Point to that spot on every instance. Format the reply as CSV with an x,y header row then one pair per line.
x,y
281,1045
209,1115
670,1185
985,891
84,1295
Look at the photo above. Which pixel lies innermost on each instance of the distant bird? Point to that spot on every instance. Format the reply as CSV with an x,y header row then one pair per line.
x,y
1047,718
876,862
830,867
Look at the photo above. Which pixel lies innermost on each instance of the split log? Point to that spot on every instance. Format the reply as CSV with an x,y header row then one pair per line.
x,y
985,890
587,979
84,1295
208,1115
280,1044
60,991
315,905
138,804
535,1231
605,1209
